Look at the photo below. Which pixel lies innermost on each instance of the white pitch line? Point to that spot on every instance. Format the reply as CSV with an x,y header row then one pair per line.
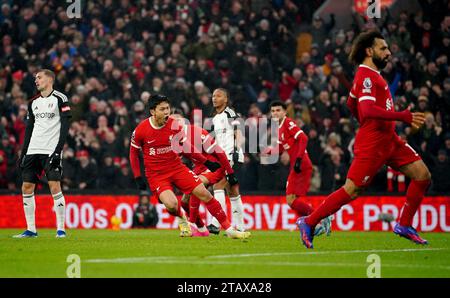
x,y
211,260
191,261
322,252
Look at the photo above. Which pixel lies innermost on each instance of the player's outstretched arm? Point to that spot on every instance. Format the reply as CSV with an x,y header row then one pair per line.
x,y
371,111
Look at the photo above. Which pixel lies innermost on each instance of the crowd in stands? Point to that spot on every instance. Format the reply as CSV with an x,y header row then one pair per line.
x,y
112,59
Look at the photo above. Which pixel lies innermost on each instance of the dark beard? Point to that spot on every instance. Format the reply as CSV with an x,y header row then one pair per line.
x,y
379,63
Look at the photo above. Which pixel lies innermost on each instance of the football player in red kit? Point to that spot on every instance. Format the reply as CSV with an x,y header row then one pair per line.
x,y
159,138
376,142
204,144
294,141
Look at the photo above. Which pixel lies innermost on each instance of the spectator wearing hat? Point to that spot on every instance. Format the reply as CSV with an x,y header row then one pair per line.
x,y
319,30
316,55
125,179
86,172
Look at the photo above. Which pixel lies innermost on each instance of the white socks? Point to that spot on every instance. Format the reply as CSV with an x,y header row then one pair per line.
x,y
237,209
219,195
29,207
60,210
237,212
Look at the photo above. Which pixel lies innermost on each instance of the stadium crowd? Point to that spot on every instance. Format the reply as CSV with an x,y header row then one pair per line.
x,y
111,60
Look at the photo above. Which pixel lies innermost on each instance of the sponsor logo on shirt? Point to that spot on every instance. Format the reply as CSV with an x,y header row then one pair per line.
x,y
45,115
162,150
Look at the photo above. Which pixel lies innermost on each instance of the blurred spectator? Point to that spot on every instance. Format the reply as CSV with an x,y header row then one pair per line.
x,y
108,173
86,172
145,215
440,171
112,62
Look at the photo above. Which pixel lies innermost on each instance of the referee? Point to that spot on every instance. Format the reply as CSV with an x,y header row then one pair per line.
x,y
229,138
45,135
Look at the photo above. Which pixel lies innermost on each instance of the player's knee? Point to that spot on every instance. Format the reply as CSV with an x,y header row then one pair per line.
x,y
424,174
54,189
27,188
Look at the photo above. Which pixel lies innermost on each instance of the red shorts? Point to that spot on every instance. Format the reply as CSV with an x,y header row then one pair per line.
x,y
214,177
183,178
395,154
298,183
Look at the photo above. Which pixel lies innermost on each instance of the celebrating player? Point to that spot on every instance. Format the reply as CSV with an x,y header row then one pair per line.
x,y
376,142
45,135
158,137
206,145
228,137
293,140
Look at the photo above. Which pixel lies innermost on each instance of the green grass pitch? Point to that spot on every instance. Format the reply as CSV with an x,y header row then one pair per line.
x,y
268,254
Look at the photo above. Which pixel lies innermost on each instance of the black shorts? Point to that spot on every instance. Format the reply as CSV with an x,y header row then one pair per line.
x,y
33,166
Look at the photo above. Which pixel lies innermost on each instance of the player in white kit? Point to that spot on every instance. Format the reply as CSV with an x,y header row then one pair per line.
x,y
228,137
47,128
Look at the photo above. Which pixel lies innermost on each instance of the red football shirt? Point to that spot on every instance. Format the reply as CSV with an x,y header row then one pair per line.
x,y
292,139
202,142
156,145
370,85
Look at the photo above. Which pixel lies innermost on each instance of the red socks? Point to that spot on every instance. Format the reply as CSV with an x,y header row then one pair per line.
x,y
185,206
301,208
194,204
331,205
414,195
216,210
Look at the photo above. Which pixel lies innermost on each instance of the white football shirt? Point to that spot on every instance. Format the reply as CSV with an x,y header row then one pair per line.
x,y
46,112
223,124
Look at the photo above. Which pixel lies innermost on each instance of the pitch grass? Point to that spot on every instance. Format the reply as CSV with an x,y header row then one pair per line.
x,y
268,254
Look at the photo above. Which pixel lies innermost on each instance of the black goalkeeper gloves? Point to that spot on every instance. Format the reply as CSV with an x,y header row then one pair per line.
x,y
212,166
140,182
297,165
231,178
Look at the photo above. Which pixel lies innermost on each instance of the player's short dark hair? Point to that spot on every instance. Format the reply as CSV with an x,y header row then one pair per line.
x,y
224,91
156,99
48,73
363,41
278,103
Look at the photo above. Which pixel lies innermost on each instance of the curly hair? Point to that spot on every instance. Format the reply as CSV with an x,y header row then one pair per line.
x,y
362,42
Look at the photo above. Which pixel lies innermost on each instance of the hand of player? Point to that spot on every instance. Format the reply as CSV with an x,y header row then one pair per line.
x,y
417,120
297,165
212,166
231,178
140,182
